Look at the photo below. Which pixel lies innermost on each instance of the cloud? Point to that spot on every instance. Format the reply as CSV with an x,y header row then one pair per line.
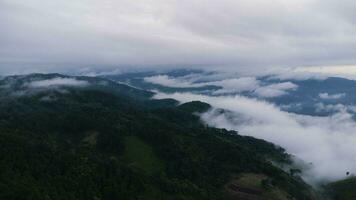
x,y
57,82
228,85
343,71
275,90
326,142
236,85
321,107
33,87
233,34
334,108
167,81
327,96
296,73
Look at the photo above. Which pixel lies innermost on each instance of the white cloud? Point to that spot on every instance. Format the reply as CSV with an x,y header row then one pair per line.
x,y
235,85
321,107
56,82
275,90
326,142
342,71
333,108
164,80
325,95
295,74
231,85
228,85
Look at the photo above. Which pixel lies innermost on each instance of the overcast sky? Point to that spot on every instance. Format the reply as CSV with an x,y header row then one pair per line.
x,y
64,34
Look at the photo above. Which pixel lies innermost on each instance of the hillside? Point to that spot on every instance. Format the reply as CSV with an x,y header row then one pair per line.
x,y
343,189
67,137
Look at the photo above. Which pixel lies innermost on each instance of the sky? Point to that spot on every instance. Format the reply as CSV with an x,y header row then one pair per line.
x,y
228,34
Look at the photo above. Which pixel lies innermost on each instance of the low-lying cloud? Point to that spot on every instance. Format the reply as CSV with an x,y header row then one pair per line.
x,y
228,85
327,144
275,90
327,96
235,85
334,108
165,80
57,82
34,87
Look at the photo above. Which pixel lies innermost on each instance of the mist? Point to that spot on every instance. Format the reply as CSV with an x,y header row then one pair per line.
x,y
56,82
325,144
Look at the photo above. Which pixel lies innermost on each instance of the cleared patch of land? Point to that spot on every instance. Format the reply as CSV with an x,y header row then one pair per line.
x,y
141,155
249,186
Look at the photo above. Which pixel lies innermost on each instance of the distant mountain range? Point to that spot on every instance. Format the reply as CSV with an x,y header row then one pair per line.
x,y
316,97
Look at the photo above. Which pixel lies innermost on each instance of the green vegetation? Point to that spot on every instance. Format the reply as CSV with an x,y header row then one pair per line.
x,y
194,107
342,190
262,183
139,154
251,180
110,141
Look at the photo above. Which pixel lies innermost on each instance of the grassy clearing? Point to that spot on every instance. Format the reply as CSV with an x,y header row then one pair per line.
x,y
141,155
254,181
91,139
251,180
276,194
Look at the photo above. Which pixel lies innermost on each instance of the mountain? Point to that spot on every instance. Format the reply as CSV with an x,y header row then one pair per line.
x,y
137,79
65,137
343,189
311,96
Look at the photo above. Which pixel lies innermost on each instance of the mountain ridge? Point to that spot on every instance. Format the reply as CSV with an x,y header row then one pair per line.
x,y
82,144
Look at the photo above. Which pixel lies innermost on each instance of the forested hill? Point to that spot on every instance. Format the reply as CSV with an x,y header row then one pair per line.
x,y
69,138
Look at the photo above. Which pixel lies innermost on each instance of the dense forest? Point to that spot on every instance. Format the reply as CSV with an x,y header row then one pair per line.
x,y
106,140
